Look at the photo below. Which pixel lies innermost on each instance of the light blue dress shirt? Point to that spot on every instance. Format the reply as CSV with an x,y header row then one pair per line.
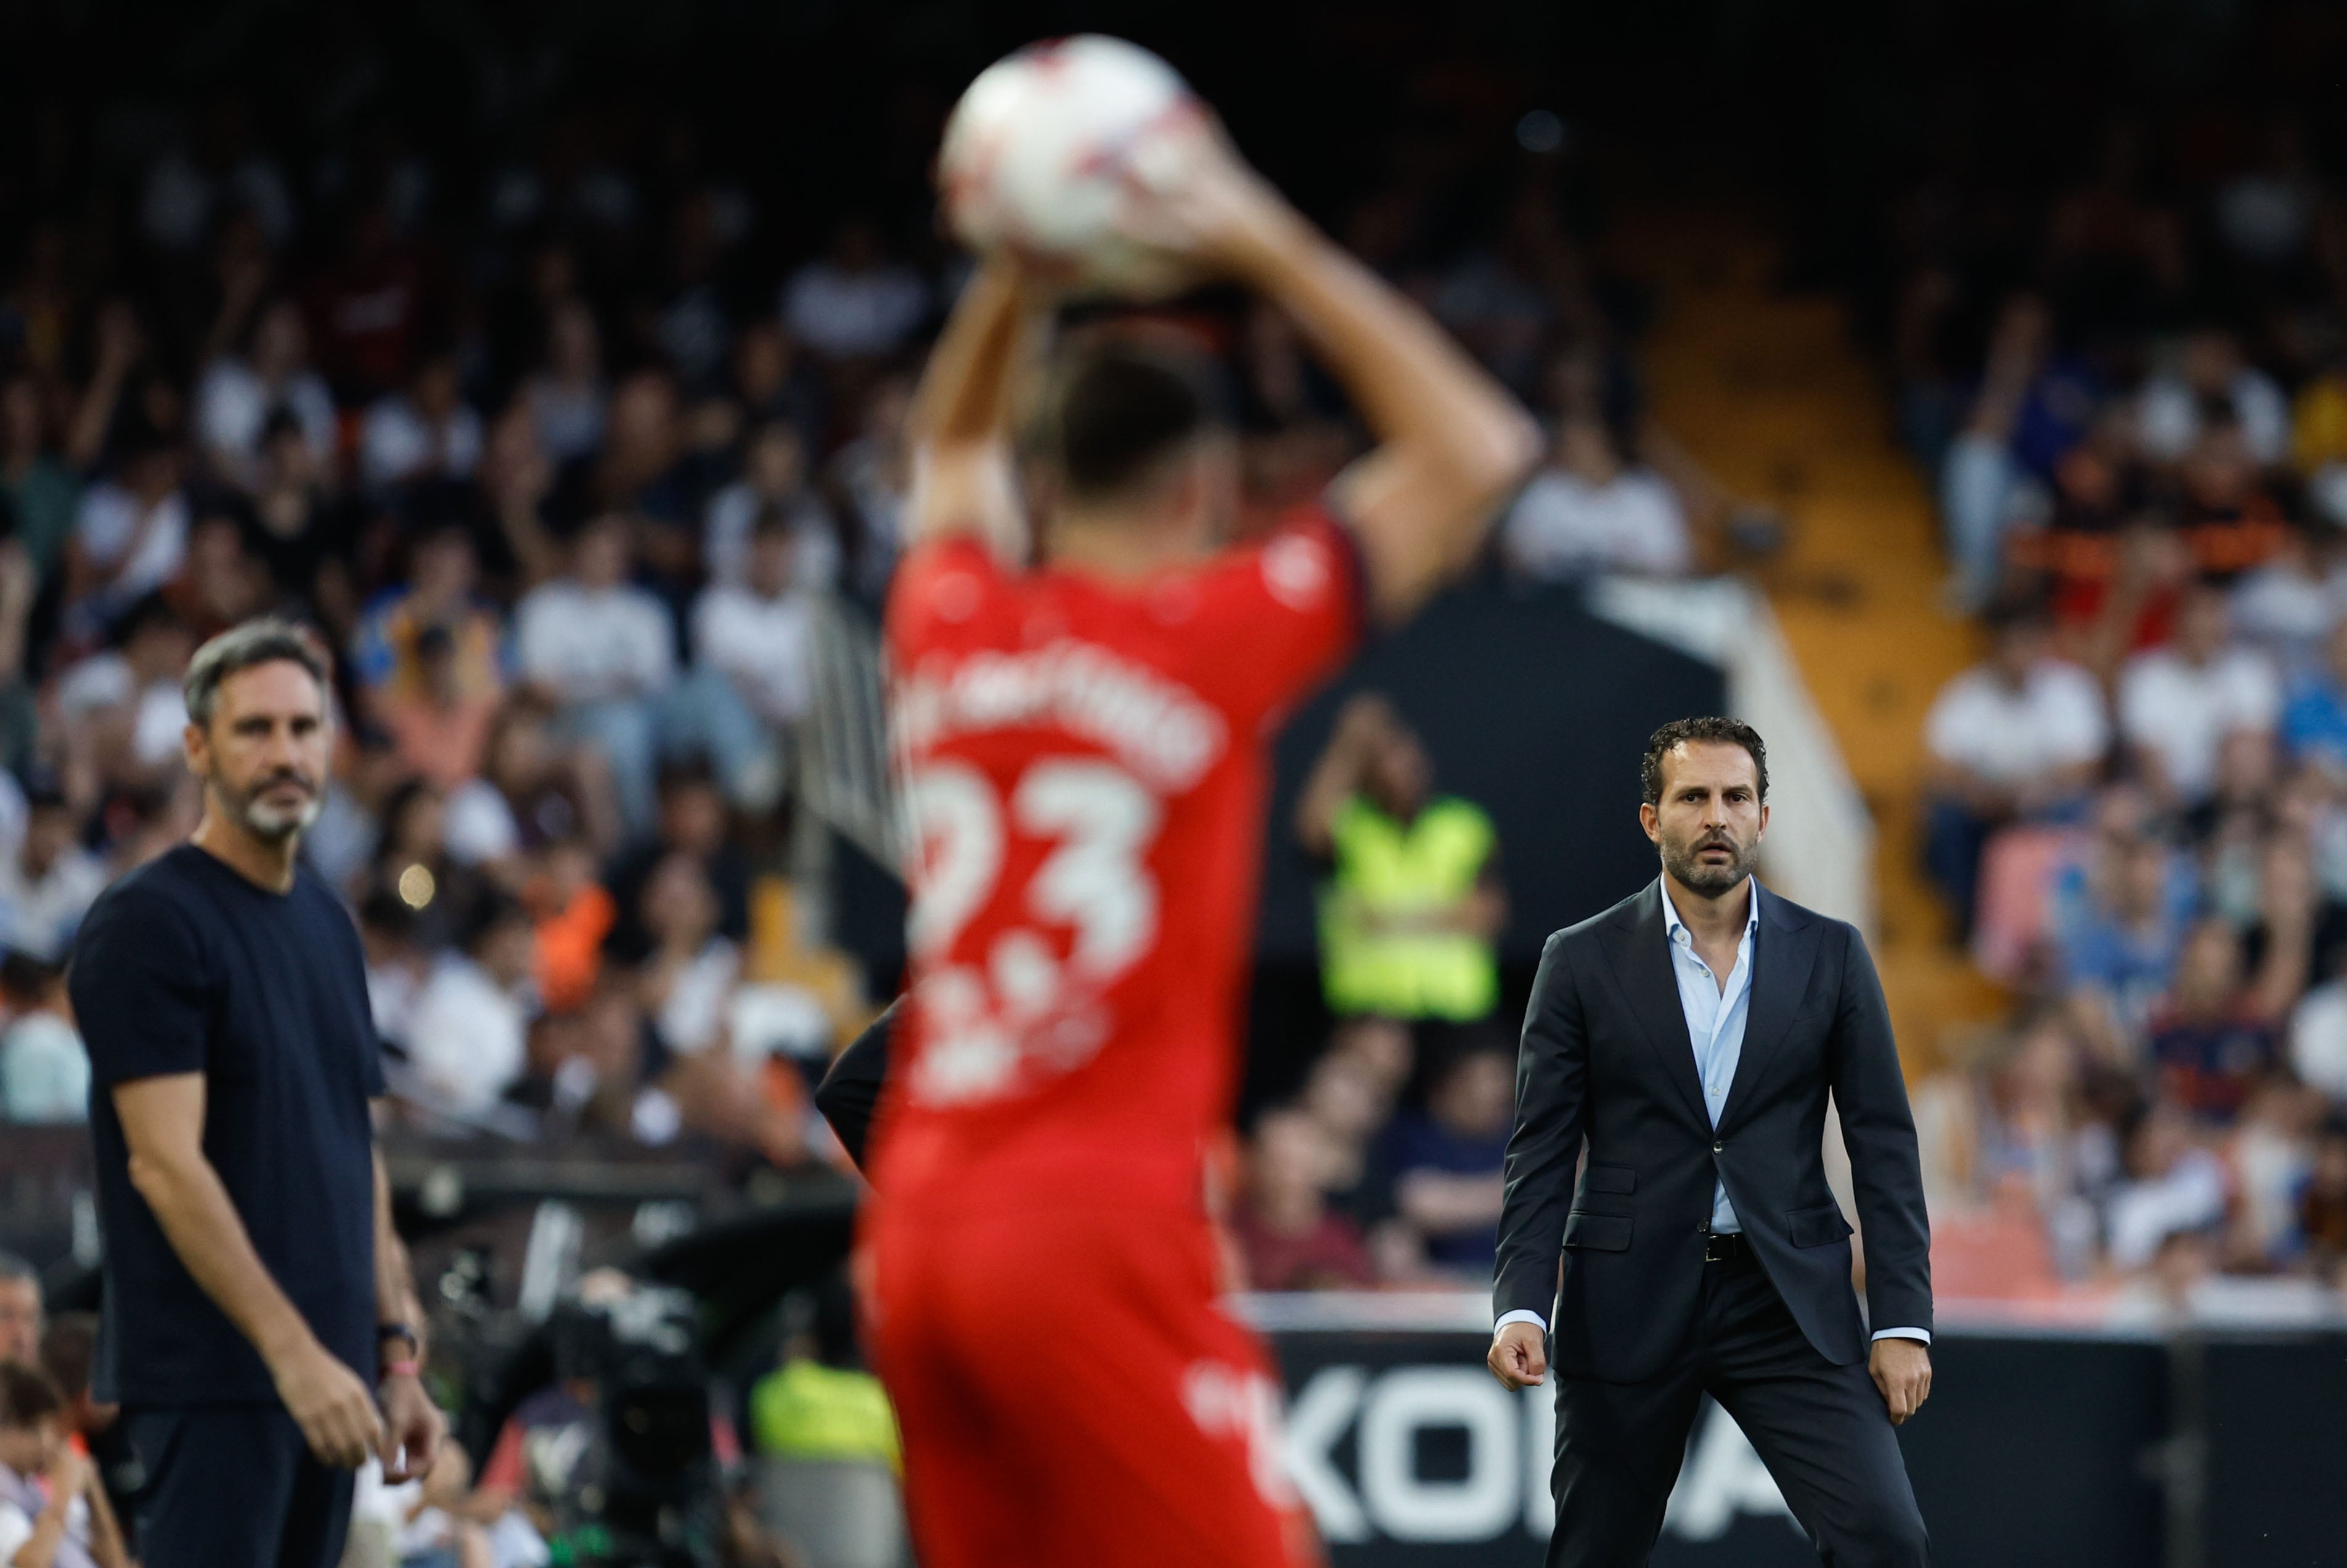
x,y
1716,1017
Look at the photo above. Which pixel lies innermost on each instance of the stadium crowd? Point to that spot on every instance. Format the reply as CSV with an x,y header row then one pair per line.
x,y
560,479
2131,386
565,477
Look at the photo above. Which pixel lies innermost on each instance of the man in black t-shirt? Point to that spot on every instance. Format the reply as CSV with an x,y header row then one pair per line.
x,y
260,1328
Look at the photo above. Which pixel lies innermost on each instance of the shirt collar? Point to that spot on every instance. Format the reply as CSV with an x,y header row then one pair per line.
x,y
1680,935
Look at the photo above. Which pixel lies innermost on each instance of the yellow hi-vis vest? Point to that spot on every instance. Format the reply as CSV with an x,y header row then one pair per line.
x,y
1386,870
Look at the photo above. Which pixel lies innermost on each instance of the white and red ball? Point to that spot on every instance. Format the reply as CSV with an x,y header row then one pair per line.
x,y
1048,144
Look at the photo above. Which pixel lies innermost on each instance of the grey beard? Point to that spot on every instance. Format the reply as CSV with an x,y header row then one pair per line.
x,y
272,825
1711,881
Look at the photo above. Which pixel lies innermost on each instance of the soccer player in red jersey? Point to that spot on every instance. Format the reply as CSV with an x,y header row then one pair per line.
x,y
1085,749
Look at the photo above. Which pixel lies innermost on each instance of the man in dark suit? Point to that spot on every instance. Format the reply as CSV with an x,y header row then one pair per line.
x,y
1692,1034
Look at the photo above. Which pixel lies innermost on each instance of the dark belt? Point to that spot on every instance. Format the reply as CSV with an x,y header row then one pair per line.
x,y
1726,1247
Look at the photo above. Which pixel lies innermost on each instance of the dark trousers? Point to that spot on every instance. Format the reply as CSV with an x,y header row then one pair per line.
x,y
235,1486
1820,1429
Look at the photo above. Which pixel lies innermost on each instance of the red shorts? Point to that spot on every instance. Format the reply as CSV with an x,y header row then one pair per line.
x,y
1071,1398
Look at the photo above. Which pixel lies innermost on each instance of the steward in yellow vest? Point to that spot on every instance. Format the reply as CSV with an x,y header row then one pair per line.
x,y
1412,909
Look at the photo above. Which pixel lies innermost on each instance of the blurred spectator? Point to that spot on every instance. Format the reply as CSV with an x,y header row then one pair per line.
x,y
693,823
411,860
2017,738
573,914
853,303
219,584
291,526
2177,705
874,474
44,1066
2173,1187
69,1355
2209,371
1984,490
606,651
692,328
1591,510
440,722
2271,1156
2289,606
430,656
2017,1132
466,1038
1288,1236
366,304
129,535
1349,1095
771,381
50,882
688,976
2217,1033
1447,1160
121,710
1350,1101
2314,720
567,395
773,483
53,1510
424,432
238,396
20,1310
2232,520
397,965
643,469
533,791
1414,903
38,490
2118,919
753,667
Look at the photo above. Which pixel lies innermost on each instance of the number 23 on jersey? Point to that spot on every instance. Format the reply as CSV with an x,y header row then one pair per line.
x,y
1015,976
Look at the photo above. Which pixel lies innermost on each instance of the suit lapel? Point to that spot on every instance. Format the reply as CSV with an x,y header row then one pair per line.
x,y
1783,952
1642,962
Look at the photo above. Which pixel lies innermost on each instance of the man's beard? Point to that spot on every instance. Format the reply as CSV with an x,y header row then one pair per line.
x,y
269,822
1697,877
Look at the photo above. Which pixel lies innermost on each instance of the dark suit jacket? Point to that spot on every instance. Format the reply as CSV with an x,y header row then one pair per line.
x,y
1606,1056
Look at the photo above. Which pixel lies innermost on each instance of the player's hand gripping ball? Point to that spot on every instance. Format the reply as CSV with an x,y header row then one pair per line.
x,y
1050,147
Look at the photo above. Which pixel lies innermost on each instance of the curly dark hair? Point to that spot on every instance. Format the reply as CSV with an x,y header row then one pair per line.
x,y
1712,727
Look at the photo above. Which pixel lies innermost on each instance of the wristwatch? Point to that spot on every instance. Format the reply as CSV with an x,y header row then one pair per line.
x,y
383,1331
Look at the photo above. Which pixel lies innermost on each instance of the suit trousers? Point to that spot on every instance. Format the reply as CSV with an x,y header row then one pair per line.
x,y
1821,1430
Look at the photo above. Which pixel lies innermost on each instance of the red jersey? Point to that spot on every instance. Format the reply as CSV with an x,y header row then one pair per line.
x,y
1085,765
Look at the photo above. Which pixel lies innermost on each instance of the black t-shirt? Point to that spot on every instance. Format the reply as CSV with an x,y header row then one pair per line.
x,y
184,965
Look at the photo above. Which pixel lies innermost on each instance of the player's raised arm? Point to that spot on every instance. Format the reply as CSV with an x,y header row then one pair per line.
x,y
1453,444
964,474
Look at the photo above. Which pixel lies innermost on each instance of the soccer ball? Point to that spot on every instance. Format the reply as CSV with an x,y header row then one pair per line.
x,y
1045,147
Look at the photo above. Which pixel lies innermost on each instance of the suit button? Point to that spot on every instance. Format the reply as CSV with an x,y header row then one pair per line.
x,y
1717,1147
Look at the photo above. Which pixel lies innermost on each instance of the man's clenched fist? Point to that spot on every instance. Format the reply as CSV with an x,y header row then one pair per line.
x,y
1902,1371
1518,1357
